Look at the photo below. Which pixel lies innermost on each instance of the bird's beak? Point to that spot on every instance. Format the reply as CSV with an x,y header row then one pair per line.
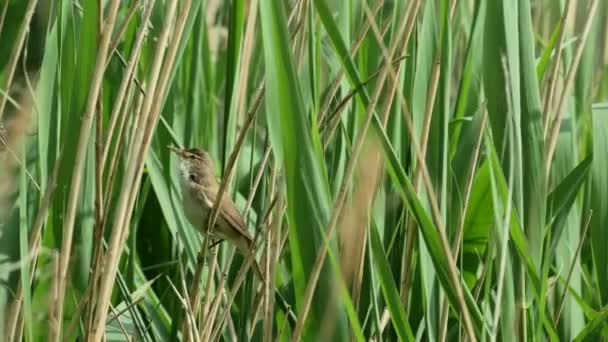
x,y
177,151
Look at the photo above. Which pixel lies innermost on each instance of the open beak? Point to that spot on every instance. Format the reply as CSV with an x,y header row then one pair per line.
x,y
177,151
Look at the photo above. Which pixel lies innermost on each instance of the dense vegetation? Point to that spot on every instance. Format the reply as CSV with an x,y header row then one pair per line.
x,y
411,170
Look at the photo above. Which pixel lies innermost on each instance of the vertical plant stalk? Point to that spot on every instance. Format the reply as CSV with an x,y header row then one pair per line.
x,y
120,103
551,86
412,228
242,272
272,256
457,243
341,198
13,324
125,84
557,122
85,132
338,80
3,15
122,29
410,238
502,250
122,215
562,300
452,269
9,71
207,327
375,160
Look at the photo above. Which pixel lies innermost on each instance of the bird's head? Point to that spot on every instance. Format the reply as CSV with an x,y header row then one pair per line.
x,y
195,164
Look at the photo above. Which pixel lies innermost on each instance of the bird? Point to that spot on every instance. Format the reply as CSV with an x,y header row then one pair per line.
x,y
199,189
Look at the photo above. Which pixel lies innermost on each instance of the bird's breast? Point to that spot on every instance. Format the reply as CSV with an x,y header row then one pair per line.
x,y
196,212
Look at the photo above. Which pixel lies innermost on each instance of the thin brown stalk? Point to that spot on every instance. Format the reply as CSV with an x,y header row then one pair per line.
x,y
125,84
333,118
551,86
453,6
98,209
122,214
123,28
257,179
245,63
189,331
3,15
412,231
209,331
411,236
76,183
194,296
282,331
125,88
121,142
98,248
240,278
11,66
272,257
336,84
456,244
214,307
562,300
557,122
206,298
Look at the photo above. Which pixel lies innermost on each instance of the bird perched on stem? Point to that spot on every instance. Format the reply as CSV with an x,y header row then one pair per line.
x,y
199,191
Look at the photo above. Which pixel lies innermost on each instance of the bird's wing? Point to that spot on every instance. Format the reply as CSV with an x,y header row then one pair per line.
x,y
230,213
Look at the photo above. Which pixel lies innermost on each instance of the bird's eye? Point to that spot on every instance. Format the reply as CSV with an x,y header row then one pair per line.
x,y
192,177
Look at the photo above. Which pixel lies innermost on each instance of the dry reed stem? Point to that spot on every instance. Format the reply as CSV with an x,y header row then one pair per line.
x,y
338,80
85,132
125,85
125,88
123,28
551,87
3,15
412,228
557,122
272,249
9,71
121,220
243,271
214,307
